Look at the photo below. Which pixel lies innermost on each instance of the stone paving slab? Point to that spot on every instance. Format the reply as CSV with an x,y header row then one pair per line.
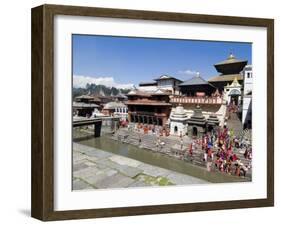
x,y
124,161
94,179
80,185
153,171
115,181
124,169
139,184
175,178
91,152
94,168
89,163
83,173
78,156
82,165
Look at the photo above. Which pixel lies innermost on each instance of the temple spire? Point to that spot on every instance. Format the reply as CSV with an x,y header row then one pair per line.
x,y
231,56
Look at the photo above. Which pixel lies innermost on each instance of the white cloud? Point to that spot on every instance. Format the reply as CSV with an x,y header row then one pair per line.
x,y
188,72
80,81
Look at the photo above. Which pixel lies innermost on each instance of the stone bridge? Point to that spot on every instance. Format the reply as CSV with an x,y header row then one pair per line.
x,y
97,122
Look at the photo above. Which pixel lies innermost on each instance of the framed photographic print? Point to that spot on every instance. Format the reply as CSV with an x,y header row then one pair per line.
x,y
141,112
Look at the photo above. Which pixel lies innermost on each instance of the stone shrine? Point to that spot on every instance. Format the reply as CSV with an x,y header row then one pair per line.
x,y
178,121
196,123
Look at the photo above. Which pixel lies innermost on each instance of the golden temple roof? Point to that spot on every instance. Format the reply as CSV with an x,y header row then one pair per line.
x,y
226,78
231,60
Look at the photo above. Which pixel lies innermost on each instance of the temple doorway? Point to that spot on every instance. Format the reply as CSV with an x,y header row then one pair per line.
x,y
210,128
234,97
176,129
194,131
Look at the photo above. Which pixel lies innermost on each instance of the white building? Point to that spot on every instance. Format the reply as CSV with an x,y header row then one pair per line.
x,y
178,121
233,92
247,97
248,79
117,109
164,82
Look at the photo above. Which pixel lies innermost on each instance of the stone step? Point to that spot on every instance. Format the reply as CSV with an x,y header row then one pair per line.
x,y
148,141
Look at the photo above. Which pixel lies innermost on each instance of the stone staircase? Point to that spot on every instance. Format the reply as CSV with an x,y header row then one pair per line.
x,y
234,123
171,147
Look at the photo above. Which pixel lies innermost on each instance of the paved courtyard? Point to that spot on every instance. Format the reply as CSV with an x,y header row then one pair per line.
x,y
97,169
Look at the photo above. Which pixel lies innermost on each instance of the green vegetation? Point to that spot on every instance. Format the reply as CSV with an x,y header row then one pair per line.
x,y
156,181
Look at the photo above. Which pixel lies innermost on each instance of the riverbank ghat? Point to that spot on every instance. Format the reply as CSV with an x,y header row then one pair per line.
x,y
97,169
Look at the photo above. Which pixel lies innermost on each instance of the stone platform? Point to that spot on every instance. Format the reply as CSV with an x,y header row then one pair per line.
x,y
96,169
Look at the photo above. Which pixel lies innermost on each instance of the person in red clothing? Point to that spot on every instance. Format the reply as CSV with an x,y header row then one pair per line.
x,y
190,150
234,158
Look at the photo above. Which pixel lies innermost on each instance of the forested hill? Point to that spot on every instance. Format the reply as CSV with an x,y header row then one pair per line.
x,y
94,89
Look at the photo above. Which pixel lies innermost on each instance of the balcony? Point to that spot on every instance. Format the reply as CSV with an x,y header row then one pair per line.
x,y
146,113
196,100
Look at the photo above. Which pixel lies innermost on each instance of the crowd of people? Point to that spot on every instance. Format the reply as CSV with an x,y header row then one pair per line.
x,y
219,150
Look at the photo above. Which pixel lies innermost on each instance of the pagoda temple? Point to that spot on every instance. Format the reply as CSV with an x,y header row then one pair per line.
x,y
229,69
148,107
88,99
84,106
196,86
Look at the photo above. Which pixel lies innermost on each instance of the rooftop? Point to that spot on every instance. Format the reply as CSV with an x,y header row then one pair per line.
x,y
234,83
157,92
231,65
137,92
165,77
147,102
84,105
121,95
196,80
226,78
230,60
179,114
149,83
113,105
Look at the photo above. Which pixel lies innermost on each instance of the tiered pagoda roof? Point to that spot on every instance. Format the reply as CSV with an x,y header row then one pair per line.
x,y
197,118
196,80
213,120
179,114
226,78
231,65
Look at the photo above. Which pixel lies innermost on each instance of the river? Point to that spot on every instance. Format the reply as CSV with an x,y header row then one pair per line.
x,y
157,159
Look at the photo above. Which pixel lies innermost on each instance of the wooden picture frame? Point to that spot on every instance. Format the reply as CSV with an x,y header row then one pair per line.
x,y
42,203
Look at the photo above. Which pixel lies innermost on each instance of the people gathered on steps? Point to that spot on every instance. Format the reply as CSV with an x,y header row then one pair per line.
x,y
219,150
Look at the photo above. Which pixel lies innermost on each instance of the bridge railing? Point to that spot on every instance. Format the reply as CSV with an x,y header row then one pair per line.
x,y
84,122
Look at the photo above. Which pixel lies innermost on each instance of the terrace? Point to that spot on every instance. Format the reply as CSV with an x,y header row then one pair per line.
x,y
196,100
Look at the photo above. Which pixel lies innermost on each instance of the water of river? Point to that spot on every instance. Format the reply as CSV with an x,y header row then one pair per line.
x,y
157,159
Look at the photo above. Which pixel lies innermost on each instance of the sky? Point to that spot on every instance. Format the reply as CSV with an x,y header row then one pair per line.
x,y
124,61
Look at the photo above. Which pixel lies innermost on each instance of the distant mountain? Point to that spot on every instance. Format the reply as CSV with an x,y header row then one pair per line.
x,y
102,90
